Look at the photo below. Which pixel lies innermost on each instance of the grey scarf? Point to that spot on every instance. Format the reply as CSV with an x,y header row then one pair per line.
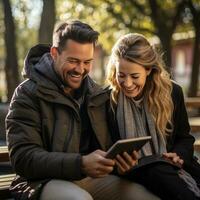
x,y
135,120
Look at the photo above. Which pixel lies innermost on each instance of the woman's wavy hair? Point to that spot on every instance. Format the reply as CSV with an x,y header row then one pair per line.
x,y
136,48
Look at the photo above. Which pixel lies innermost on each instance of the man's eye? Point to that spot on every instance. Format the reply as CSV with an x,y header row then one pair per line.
x,y
87,62
72,61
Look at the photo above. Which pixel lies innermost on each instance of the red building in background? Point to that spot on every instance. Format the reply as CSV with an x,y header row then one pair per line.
x,y
182,58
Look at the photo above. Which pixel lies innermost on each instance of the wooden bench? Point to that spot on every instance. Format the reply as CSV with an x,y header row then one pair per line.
x,y
193,103
197,145
195,124
5,181
4,157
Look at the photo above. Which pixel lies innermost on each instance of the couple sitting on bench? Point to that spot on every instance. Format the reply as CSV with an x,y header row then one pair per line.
x,y
61,123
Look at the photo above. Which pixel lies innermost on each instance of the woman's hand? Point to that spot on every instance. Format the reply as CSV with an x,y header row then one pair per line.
x,y
174,158
125,162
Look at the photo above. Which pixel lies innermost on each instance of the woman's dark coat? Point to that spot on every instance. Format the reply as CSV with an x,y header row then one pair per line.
x,y
180,140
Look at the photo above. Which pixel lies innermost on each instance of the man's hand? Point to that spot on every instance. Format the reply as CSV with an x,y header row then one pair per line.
x,y
125,162
96,165
174,158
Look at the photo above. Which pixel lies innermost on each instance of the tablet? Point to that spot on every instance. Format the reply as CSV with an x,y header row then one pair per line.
x,y
128,145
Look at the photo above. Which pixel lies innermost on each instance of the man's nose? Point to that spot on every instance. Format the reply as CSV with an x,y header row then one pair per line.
x,y
80,67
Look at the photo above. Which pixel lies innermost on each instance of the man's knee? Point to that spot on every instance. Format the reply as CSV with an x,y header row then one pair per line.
x,y
63,190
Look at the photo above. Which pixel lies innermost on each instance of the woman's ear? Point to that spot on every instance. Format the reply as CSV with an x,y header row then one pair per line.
x,y
54,53
148,71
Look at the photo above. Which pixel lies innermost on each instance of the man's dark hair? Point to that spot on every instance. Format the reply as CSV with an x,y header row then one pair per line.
x,y
74,30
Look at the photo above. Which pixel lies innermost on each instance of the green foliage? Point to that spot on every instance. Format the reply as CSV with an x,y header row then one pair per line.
x,y
27,17
97,18
96,14
113,18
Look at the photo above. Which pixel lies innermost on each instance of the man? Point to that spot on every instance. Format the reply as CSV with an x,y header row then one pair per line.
x,y
56,124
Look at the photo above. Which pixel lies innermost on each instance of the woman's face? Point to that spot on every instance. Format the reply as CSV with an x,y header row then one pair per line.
x,y
131,78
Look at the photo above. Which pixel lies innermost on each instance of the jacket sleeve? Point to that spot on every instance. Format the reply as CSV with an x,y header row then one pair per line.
x,y
182,140
26,148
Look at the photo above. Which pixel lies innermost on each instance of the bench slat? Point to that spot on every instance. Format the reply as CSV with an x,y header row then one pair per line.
x,y
197,145
195,128
5,181
4,157
194,124
192,102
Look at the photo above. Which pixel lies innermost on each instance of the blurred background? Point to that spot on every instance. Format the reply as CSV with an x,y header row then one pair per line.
x,y
173,26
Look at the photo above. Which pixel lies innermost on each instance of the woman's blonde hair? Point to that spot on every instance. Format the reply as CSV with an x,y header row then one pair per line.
x,y
135,48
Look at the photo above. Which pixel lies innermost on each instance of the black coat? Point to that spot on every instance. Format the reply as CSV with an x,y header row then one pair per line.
x,y
180,140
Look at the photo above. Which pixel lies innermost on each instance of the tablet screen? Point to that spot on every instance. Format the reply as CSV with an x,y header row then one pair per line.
x,y
128,145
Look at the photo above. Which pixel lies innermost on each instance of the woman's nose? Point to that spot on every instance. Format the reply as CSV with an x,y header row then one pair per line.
x,y
128,82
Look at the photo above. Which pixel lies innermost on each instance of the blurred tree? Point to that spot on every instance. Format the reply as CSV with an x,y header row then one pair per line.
x,y
113,18
137,16
165,16
11,64
194,6
47,21
27,18
93,13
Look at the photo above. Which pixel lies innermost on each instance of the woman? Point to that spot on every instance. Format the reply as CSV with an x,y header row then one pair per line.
x,y
144,101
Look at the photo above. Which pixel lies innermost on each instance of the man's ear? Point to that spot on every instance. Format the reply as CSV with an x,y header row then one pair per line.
x,y
54,52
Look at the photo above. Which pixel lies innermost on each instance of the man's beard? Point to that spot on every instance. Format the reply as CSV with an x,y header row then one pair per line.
x,y
74,74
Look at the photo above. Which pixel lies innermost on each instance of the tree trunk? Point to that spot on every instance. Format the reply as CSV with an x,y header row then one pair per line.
x,y
165,40
194,83
11,65
47,22
165,24
166,47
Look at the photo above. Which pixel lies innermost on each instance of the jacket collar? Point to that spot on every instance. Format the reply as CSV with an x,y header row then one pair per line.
x,y
39,68
95,96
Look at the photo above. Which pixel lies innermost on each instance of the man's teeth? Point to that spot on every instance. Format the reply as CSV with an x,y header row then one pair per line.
x,y
76,76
